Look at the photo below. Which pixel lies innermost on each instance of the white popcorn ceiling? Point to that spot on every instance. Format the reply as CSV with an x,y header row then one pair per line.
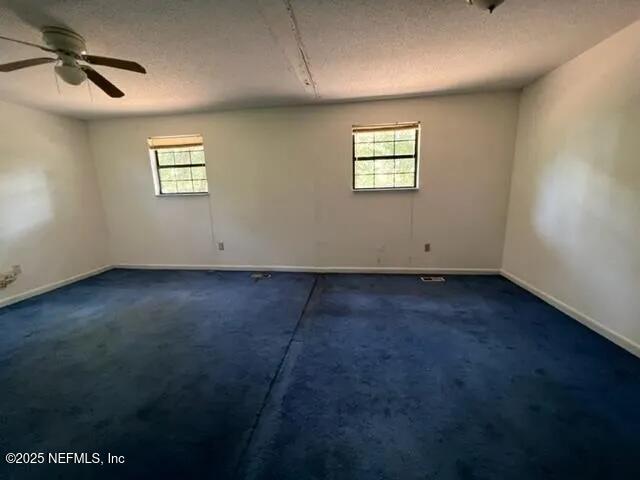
x,y
206,55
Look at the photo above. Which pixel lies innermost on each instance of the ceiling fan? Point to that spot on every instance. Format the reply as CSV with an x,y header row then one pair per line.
x,y
490,5
72,59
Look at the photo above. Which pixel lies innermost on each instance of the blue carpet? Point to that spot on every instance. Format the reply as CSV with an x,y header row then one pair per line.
x,y
166,368
215,375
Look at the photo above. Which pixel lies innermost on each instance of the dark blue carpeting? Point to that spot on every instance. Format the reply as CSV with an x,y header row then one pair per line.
x,y
166,368
215,375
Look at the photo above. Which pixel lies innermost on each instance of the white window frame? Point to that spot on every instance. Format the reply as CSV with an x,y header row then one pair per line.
x,y
386,127
156,144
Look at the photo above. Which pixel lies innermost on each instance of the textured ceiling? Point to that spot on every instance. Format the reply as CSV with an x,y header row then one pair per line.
x,y
206,54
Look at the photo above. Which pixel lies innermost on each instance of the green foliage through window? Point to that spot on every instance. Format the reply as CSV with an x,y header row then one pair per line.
x,y
181,170
385,157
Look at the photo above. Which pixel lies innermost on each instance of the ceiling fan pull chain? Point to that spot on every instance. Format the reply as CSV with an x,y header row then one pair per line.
x,y
55,77
90,91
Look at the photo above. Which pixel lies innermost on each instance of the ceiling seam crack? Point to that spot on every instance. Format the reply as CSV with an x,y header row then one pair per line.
x,y
303,54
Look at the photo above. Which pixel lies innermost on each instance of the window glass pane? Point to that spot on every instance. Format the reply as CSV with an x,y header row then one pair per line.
x,y
383,149
167,174
384,181
364,181
405,165
200,186
185,186
364,167
364,137
384,166
406,134
197,156
384,136
405,148
199,173
364,150
404,180
182,157
165,158
182,173
169,187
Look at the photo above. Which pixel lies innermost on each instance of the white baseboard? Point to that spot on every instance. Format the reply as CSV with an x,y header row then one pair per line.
x,y
253,268
313,269
51,286
586,320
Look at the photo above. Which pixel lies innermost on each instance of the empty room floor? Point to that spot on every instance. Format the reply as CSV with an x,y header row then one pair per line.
x,y
218,375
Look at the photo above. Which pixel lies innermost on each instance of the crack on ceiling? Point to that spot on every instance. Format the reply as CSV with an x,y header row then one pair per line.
x,y
281,22
310,81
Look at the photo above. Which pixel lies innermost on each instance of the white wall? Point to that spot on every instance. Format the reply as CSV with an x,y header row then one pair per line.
x,y
280,184
574,216
51,217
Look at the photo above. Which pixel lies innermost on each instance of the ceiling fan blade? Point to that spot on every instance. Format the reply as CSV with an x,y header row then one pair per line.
x,y
32,62
115,63
46,49
105,85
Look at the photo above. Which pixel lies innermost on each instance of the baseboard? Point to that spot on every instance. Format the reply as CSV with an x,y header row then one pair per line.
x,y
313,269
586,320
51,286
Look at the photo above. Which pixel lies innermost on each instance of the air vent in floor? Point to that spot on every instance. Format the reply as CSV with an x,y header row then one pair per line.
x,y
260,275
426,279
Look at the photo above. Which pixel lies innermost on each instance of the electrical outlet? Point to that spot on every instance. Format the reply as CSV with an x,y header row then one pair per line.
x,y
220,246
427,247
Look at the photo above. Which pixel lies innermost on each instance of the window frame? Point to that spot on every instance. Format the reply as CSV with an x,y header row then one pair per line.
x,y
389,127
156,167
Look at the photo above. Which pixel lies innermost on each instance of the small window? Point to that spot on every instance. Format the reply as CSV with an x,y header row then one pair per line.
x,y
385,157
178,165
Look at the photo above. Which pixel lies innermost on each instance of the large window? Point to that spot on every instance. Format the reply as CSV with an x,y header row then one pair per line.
x,y
178,164
385,157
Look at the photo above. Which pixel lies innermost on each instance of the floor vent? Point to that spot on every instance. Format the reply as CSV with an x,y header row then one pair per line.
x,y
260,275
432,279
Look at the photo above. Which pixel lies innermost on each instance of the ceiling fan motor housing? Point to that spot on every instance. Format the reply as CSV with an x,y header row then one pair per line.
x,y
69,46
64,40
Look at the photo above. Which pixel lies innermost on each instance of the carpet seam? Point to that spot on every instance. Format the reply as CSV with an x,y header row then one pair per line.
x,y
273,381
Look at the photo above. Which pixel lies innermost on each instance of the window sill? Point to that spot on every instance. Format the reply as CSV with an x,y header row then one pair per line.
x,y
399,189
163,195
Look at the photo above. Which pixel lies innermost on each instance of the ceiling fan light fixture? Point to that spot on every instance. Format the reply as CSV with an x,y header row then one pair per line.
x,y
71,74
